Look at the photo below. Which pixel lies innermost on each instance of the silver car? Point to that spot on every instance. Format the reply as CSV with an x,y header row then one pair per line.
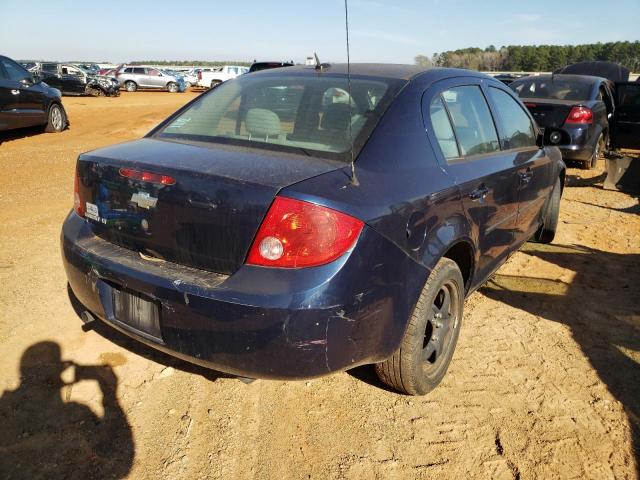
x,y
133,78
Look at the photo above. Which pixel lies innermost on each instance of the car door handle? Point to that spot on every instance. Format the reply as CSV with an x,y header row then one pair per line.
x,y
15,92
526,176
479,193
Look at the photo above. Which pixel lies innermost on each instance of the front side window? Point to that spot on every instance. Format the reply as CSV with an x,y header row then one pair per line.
x,y
298,113
14,71
442,128
514,125
50,67
472,120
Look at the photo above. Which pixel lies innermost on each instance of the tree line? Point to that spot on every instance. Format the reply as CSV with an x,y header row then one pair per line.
x,y
535,58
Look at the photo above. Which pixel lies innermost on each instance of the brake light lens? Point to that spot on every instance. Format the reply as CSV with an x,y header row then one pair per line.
x,y
297,234
78,203
582,115
147,176
199,75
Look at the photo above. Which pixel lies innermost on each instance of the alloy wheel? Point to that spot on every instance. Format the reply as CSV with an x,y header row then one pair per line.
x,y
56,118
440,326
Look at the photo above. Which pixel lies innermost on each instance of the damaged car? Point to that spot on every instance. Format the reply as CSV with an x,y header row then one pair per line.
x,y
74,80
272,229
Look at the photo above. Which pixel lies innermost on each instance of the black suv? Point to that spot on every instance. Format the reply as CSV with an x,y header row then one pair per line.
x,y
26,101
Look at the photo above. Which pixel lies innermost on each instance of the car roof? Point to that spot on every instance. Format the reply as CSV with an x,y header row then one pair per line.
x,y
380,70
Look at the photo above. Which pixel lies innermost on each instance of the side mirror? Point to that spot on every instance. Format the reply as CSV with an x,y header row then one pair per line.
x,y
553,137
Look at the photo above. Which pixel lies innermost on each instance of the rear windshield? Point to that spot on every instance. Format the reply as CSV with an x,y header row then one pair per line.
x,y
302,113
552,88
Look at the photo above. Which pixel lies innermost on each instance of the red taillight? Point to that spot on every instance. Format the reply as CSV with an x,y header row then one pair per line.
x,y
580,115
199,75
297,234
147,176
78,202
530,105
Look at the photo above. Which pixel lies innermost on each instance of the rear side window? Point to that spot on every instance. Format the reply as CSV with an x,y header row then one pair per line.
x,y
138,71
128,70
442,128
472,120
514,125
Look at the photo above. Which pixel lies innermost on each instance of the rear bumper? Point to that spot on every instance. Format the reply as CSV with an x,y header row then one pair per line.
x,y
258,322
581,146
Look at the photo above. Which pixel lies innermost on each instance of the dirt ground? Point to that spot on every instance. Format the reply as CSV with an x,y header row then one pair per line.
x,y
545,382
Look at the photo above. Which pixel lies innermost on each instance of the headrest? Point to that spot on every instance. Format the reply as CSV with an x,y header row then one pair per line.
x,y
262,122
336,117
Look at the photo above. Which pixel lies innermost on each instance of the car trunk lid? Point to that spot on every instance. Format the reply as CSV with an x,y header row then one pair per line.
x,y
196,205
548,112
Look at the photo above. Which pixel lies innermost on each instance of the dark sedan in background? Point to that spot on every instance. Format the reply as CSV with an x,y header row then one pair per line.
x,y
580,104
252,245
26,101
74,80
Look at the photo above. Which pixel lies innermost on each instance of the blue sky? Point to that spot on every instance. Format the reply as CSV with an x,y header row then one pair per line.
x,y
381,31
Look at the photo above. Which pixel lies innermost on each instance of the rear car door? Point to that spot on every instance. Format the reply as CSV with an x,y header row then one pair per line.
x,y
625,128
534,167
487,177
154,78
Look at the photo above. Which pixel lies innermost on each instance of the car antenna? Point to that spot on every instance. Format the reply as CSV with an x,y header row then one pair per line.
x,y
354,179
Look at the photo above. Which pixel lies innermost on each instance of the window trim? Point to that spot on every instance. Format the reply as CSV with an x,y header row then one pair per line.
x,y
464,158
525,111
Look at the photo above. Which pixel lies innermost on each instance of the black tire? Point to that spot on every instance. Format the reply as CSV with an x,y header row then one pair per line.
x,y
547,231
56,119
215,83
597,152
173,87
130,86
417,367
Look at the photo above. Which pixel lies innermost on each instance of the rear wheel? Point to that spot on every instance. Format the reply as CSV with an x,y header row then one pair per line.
x,y
427,347
57,119
215,83
173,87
597,152
130,86
547,231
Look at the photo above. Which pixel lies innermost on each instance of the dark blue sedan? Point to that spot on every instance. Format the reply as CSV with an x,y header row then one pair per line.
x,y
292,223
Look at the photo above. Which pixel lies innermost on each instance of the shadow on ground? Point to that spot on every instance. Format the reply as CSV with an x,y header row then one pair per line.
x,y
601,305
20,133
44,437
